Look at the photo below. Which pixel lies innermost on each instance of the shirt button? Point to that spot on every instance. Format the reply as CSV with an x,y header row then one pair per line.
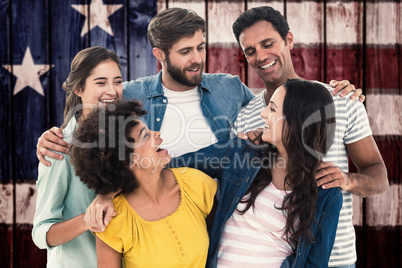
x,y
158,119
170,226
178,243
173,231
176,237
164,101
182,254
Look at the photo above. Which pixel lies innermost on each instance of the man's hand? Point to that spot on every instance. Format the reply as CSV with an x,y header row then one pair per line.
x,y
100,212
51,139
255,136
329,176
344,87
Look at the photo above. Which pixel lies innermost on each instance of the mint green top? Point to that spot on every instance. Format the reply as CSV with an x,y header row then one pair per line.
x,y
62,196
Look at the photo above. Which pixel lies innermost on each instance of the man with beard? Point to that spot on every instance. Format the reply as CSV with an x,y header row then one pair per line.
x,y
190,109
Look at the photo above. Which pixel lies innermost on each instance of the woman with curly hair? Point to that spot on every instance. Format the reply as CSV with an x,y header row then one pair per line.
x,y
161,213
59,226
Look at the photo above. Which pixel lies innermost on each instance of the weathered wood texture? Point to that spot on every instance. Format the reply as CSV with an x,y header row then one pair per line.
x,y
355,40
39,39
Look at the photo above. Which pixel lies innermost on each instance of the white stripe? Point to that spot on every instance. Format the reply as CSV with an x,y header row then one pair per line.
x,y
385,113
25,203
385,209
357,211
384,23
305,21
6,203
221,15
344,23
278,5
195,5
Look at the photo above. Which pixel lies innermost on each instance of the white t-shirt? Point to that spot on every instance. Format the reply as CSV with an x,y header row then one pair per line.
x,y
184,128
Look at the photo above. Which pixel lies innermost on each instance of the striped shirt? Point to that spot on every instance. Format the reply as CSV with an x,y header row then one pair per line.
x,y
255,239
352,125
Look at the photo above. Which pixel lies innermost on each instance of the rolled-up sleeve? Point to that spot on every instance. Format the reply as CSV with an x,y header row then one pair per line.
x,y
52,186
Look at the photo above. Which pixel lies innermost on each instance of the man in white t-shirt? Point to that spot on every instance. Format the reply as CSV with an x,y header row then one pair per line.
x,y
266,41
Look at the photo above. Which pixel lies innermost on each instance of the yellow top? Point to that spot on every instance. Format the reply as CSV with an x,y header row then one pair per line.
x,y
179,240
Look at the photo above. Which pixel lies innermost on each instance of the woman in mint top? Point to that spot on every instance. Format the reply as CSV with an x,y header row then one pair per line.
x,y
59,226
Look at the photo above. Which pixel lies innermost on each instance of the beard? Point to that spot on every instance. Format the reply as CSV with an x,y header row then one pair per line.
x,y
180,75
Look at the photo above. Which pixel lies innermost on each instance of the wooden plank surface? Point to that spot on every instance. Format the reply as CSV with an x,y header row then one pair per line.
x,y
64,19
5,95
6,187
223,51
382,247
30,65
141,61
306,22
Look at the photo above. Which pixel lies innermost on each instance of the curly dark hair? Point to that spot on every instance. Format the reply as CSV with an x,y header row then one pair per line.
x,y
101,147
309,133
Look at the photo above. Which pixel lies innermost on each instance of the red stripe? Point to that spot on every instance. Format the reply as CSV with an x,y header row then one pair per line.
x,y
27,255
383,65
6,245
226,60
383,69
390,149
378,243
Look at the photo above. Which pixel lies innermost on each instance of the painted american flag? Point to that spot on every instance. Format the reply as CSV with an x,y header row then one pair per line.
x,y
355,40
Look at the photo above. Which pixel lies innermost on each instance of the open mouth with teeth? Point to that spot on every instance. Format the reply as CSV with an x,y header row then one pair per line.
x,y
105,101
159,149
266,127
193,70
268,66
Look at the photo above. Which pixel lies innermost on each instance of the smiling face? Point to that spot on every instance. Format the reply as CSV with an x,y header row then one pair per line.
x,y
185,62
268,53
102,87
147,151
274,119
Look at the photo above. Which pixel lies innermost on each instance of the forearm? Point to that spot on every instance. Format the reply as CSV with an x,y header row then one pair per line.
x,y
63,232
369,181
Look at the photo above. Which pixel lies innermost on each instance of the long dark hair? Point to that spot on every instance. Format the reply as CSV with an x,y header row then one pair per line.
x,y
307,135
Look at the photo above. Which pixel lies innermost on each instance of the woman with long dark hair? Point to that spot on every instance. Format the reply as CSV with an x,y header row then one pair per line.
x,y
271,212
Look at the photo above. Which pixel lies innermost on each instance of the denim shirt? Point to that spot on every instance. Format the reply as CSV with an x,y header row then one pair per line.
x,y
235,163
222,97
